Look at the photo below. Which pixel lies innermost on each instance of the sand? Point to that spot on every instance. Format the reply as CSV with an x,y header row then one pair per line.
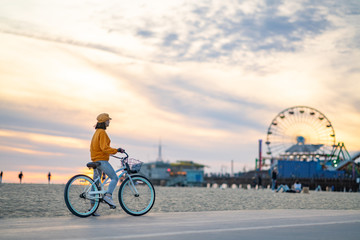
x,y
43,200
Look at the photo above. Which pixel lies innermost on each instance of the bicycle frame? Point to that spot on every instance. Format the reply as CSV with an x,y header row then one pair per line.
x,y
94,195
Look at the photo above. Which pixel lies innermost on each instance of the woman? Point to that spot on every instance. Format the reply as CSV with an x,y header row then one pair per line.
x,y
100,152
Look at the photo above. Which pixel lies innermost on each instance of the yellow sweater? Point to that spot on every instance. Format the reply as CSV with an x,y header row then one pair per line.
x,y
100,146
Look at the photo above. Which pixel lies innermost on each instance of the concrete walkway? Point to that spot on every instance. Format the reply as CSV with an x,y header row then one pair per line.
x,y
246,224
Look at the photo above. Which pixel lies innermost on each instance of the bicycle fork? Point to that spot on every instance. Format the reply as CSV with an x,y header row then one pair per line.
x,y
133,188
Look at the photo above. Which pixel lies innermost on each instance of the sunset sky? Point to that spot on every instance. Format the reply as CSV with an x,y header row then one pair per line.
x,y
205,78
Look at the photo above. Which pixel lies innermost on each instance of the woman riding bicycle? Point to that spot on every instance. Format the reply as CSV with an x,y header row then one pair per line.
x,y
100,152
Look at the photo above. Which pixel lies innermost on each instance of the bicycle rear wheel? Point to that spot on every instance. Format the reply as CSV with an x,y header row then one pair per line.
x,y
136,197
77,197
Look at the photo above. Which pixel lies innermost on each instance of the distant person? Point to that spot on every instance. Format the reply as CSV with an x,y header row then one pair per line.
x,y
49,177
259,181
273,179
21,176
1,174
285,188
100,151
297,186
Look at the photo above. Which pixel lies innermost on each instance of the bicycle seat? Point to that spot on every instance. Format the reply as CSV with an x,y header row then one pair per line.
x,y
93,165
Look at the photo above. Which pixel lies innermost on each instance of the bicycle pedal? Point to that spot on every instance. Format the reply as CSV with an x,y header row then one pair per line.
x,y
112,207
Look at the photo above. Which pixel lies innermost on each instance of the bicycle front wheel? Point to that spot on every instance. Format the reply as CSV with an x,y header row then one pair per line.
x,y
136,195
78,197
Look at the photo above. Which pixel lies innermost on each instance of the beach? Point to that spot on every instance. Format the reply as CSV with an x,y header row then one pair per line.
x,y
47,200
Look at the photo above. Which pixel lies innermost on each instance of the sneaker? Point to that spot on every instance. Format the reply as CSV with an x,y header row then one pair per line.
x,y
108,199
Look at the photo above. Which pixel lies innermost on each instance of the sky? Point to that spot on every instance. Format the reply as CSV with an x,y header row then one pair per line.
x,y
204,78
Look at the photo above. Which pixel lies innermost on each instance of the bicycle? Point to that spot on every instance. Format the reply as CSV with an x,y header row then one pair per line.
x,y
136,193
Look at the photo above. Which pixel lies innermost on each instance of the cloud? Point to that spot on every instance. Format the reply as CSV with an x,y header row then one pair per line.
x,y
144,33
194,100
44,139
206,31
28,151
222,29
198,75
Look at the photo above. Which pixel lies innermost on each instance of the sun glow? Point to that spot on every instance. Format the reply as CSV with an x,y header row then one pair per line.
x,y
176,70
67,142
35,177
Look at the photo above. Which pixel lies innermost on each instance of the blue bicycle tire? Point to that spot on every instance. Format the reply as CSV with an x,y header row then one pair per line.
x,y
74,195
137,205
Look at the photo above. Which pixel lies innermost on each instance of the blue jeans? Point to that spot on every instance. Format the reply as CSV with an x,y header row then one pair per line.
x,y
108,170
284,187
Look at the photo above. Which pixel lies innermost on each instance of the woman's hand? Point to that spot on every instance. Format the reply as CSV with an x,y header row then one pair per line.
x,y
121,150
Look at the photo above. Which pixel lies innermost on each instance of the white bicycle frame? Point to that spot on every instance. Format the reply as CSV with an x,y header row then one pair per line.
x,y
94,195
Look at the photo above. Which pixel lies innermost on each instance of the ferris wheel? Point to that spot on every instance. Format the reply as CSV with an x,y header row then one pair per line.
x,y
300,130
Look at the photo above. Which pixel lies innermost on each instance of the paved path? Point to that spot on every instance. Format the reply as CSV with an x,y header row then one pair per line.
x,y
246,224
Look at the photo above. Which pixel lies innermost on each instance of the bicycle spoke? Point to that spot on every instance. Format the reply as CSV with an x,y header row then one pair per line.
x,y
78,198
137,197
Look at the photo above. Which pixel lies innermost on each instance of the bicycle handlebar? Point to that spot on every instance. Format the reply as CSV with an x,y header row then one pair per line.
x,y
127,167
121,158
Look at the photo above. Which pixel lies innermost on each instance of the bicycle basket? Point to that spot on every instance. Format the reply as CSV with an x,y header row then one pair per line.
x,y
134,164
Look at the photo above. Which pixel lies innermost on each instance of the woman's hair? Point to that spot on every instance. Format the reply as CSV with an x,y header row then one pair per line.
x,y
100,125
